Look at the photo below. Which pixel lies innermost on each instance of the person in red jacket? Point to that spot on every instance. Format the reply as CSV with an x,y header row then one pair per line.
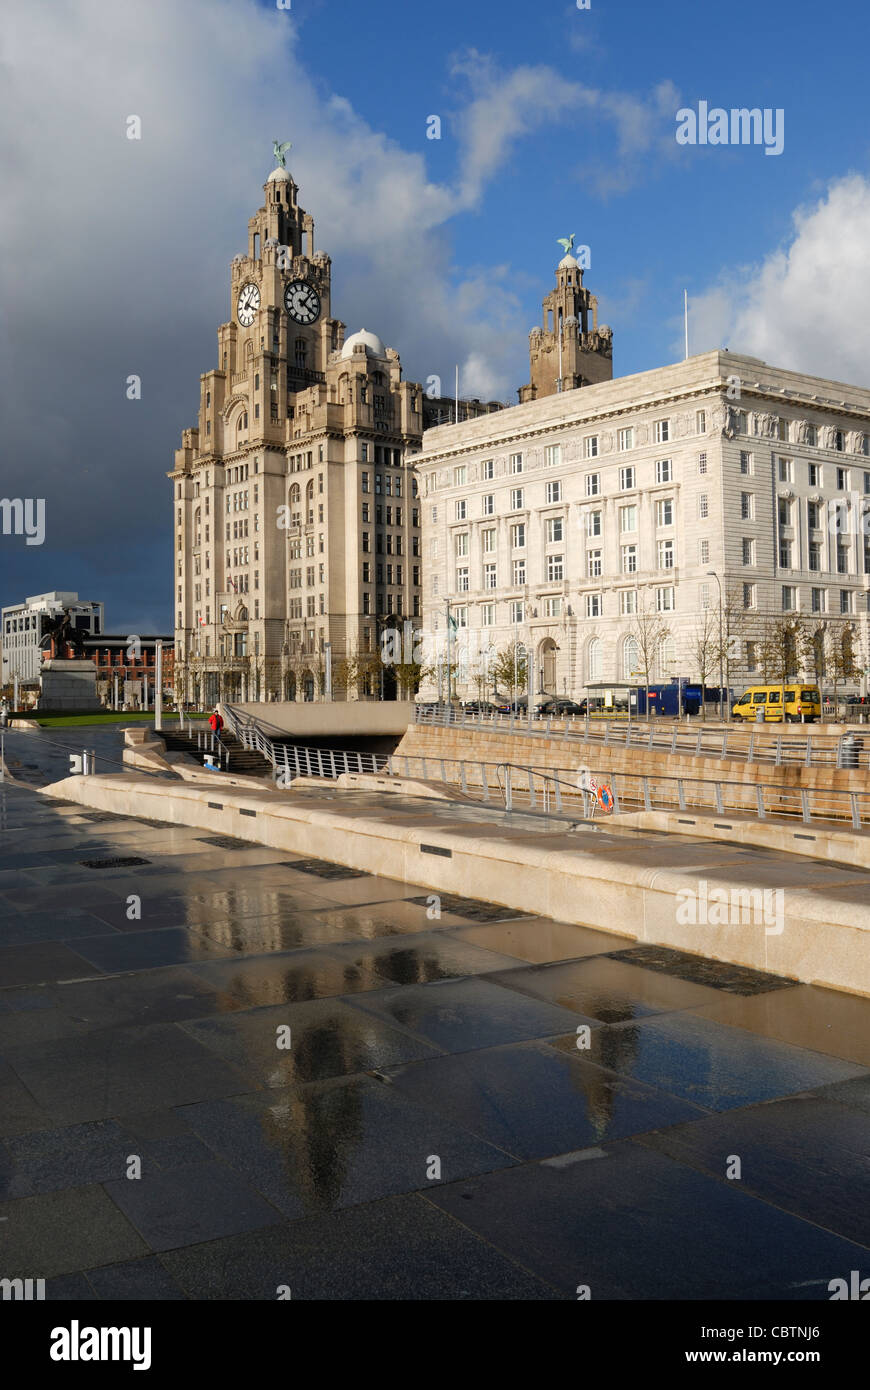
x,y
216,723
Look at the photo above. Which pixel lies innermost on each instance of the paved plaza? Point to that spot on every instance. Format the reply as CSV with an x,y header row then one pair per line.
x,y
288,1075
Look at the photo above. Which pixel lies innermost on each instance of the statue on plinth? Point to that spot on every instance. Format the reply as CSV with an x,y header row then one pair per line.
x,y
64,633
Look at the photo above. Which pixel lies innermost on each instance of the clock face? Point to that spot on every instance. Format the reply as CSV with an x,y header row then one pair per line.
x,y
249,303
302,301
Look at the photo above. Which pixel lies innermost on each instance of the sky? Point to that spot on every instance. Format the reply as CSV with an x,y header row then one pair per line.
x,y
115,253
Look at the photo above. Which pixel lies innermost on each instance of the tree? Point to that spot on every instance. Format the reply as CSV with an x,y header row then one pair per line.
x,y
649,629
510,668
704,651
782,649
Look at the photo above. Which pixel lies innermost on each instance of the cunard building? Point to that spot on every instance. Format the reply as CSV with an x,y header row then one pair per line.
x,y
296,518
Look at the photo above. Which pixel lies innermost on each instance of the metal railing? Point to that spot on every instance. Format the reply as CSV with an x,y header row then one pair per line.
x,y
753,745
296,760
557,791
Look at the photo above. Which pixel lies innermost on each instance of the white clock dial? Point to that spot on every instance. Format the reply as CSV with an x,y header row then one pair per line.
x,y
249,303
302,302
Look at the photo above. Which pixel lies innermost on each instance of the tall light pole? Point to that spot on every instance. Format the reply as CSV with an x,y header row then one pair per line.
x,y
715,576
158,684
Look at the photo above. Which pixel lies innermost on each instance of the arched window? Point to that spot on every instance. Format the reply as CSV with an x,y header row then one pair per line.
x,y
294,494
667,658
630,659
593,659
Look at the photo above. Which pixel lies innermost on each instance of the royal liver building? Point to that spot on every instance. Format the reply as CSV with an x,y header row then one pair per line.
x,y
297,526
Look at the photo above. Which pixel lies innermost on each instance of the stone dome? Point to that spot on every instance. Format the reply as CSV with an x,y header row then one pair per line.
x,y
278,175
370,341
569,263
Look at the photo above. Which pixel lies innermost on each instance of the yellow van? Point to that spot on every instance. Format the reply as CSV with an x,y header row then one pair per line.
x,y
800,703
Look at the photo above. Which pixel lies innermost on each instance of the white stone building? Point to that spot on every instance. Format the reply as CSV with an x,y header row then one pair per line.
x,y
25,624
565,521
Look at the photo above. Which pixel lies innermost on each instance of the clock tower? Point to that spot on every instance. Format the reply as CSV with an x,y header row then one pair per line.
x,y
287,558
570,349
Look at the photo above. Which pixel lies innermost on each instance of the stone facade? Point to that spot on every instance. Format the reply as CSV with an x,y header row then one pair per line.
x,y
584,522
296,519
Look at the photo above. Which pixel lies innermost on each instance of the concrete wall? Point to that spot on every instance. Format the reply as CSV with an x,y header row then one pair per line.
x,y
822,939
341,719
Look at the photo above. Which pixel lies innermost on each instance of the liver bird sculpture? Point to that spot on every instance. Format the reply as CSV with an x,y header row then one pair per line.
x,y
278,151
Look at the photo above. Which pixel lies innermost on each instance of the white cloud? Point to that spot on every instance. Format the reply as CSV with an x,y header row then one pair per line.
x,y
807,305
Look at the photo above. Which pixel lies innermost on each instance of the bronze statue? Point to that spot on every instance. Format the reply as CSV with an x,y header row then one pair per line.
x,y
64,633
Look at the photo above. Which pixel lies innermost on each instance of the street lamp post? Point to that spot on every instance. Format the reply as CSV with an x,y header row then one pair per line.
x,y
715,576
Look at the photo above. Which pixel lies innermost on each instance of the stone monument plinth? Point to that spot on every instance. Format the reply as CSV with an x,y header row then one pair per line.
x,y
69,686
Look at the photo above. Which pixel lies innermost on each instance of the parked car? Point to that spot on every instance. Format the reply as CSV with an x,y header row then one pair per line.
x,y
560,707
479,707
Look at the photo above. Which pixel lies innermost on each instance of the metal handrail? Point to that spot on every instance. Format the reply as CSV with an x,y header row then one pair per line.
x,y
761,744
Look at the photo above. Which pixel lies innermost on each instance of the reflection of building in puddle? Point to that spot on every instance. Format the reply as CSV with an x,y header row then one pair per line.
x,y
616,1049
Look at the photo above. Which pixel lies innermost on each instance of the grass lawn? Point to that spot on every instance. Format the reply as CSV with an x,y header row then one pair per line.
x,y
67,721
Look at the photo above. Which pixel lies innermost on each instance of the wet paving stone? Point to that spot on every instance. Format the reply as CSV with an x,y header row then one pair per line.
x,y
458,1015
63,1232
424,958
378,1143
321,868
533,1102
633,1224
612,991
805,1154
287,979
145,950
717,974
34,963
711,1065
329,1038
400,1249
197,1203
134,1281
540,940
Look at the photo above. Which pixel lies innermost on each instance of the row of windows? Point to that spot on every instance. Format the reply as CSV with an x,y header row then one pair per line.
x,y
391,571
842,477
593,607
554,566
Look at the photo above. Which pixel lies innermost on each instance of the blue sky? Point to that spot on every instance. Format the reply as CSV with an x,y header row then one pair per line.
x,y
114,255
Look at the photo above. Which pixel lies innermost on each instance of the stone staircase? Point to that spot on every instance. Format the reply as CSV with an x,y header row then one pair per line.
x,y
245,762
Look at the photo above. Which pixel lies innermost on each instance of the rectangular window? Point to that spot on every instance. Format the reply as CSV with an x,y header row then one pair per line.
x,y
747,506
490,578
742,422
593,563
842,479
704,593
462,579
488,507
666,555
665,511
554,491
665,469
593,605
664,600
662,431
461,508
626,479
748,551
590,446
745,462
788,598
700,422
785,555
593,484
518,536
786,471
748,595
782,429
487,615
460,543
555,528
627,519
519,572
488,540
593,523
628,555
703,506
814,474
517,611
845,600
552,455
815,555
817,600
460,475
516,463
554,568
627,601
516,499
625,439
703,552
488,469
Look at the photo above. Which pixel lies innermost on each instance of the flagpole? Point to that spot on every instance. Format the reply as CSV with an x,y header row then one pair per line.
x,y
686,319
447,601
